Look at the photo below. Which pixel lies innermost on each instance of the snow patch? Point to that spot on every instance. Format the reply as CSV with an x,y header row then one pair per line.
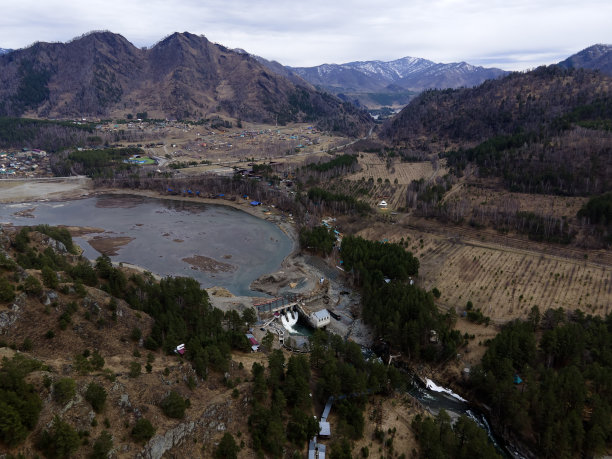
x,y
433,386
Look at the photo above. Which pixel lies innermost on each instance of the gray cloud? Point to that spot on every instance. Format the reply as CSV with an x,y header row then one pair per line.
x,y
514,34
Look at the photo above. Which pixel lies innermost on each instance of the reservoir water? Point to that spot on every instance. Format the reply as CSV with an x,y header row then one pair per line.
x,y
232,248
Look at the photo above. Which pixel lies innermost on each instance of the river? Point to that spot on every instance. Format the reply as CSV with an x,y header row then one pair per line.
x,y
234,247
435,398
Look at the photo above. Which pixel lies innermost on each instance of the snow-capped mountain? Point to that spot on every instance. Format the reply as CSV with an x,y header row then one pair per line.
x,y
596,57
400,78
392,70
4,51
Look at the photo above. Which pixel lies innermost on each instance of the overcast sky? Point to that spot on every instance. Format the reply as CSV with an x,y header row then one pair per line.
x,y
510,34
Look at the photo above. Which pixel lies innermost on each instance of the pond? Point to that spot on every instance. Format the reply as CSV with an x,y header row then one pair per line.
x,y
215,244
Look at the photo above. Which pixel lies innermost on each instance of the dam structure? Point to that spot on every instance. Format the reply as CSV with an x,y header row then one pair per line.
x,y
290,307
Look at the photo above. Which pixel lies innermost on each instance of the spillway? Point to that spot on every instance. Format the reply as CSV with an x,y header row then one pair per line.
x,y
289,319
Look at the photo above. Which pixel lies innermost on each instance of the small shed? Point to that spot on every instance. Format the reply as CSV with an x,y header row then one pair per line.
x,y
321,449
180,349
327,409
253,342
312,449
324,429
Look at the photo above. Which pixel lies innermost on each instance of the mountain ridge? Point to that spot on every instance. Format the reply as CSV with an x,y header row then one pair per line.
x,y
397,78
182,76
596,57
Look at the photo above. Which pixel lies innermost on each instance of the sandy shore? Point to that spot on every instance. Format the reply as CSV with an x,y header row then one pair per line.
x,y
44,189
108,245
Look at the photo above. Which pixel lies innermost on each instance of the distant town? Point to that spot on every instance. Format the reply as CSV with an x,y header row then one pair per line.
x,y
24,163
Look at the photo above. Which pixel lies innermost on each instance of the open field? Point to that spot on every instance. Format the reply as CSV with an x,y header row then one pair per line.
x,y
388,414
20,190
230,146
395,177
375,167
490,194
502,276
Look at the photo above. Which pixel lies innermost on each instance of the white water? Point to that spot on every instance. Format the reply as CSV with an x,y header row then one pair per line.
x,y
289,320
433,386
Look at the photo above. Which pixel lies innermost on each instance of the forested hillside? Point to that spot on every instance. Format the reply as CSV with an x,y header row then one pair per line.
x,y
544,131
531,102
547,131
46,135
97,311
548,381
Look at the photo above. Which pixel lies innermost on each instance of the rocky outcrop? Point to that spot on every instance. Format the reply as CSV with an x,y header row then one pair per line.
x,y
216,418
160,444
8,318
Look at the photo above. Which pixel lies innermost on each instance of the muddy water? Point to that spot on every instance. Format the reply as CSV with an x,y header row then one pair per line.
x,y
167,233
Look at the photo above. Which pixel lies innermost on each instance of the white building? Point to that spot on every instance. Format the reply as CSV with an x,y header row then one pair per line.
x,y
320,318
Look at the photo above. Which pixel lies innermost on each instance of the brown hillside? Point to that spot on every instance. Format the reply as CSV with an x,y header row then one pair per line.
x,y
182,76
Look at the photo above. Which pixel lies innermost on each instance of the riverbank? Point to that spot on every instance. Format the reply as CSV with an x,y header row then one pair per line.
x,y
284,222
296,273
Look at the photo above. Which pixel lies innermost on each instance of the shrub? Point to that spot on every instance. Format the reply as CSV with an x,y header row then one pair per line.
x,y
136,334
61,441
96,395
174,405
102,446
143,430
49,277
7,291
64,390
135,370
227,448
32,286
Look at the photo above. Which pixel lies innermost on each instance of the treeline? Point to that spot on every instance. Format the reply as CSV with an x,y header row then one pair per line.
x,y
572,163
406,317
538,227
425,195
337,202
329,113
282,421
208,185
180,308
344,163
372,261
313,173
32,89
20,404
598,210
528,129
441,438
318,239
399,312
51,136
548,380
97,163
183,315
